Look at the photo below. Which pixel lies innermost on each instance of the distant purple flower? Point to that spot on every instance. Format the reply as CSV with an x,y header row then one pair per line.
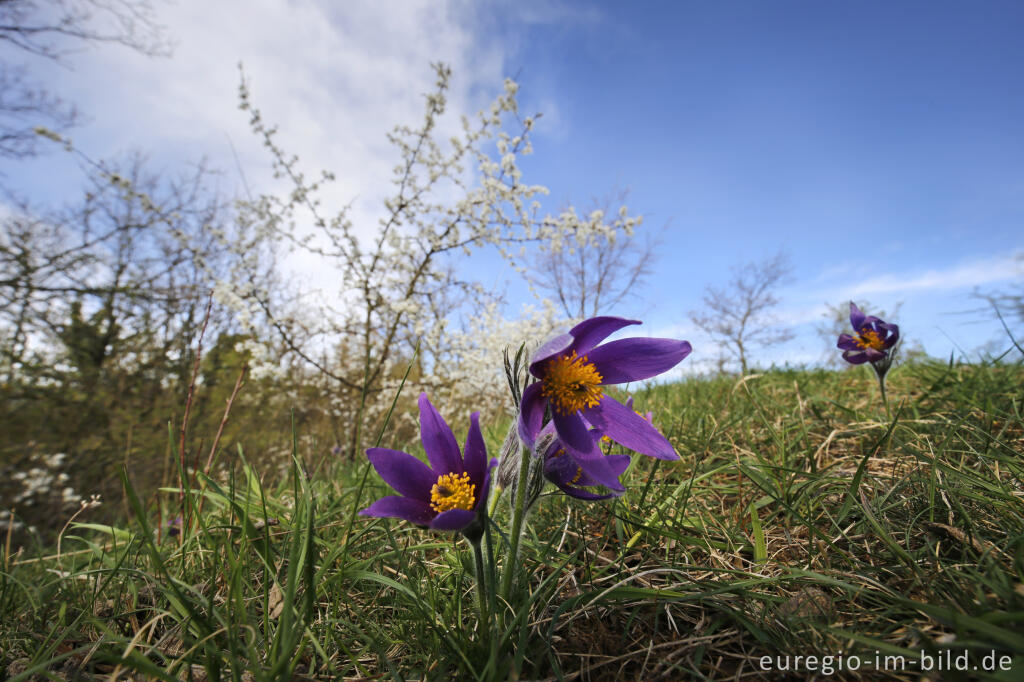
x,y
572,369
448,494
871,340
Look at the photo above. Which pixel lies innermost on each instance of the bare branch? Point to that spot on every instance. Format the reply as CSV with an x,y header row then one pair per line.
x,y
592,276
57,28
738,313
54,30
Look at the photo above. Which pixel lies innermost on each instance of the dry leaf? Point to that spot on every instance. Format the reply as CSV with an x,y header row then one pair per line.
x,y
276,601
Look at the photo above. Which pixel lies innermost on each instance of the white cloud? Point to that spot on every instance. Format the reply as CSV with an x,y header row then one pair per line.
x,y
930,298
334,77
812,306
963,275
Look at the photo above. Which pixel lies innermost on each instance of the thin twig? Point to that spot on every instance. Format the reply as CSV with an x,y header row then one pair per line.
x,y
188,409
224,419
220,429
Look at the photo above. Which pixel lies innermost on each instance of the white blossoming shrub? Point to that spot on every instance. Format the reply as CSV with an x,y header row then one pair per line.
x,y
36,492
401,297
474,369
117,366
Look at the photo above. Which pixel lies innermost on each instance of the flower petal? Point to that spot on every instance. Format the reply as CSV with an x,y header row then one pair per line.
x,y
588,469
438,440
403,472
481,498
574,432
559,469
627,428
396,507
634,359
857,318
598,471
871,354
894,331
582,494
855,357
589,333
531,413
553,346
475,452
617,464
453,519
847,342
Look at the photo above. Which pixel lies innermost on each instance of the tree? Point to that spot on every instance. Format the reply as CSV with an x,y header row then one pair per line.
x,y
401,292
51,31
111,290
589,277
134,261
101,305
738,313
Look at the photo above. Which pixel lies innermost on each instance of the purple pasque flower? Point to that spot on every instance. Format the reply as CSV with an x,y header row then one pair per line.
x,y
572,370
565,469
871,340
448,494
173,526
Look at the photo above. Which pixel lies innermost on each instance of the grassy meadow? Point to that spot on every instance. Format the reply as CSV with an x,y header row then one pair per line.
x,y
802,520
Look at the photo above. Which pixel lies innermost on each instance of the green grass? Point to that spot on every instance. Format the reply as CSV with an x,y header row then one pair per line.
x,y
801,520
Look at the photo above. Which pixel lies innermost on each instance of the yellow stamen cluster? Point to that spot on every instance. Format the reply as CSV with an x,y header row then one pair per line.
x,y
868,338
452,491
571,383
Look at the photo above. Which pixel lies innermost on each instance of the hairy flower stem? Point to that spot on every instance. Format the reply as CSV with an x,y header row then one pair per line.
x,y
881,370
481,592
517,524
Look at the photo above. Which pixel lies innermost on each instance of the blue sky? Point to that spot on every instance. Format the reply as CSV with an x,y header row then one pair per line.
x,y
880,144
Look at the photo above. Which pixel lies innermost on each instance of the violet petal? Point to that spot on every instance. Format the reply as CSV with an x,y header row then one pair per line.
x,y
847,342
617,464
396,507
894,331
589,333
574,433
871,354
403,472
857,318
475,452
560,469
438,440
581,494
481,493
453,519
627,428
599,470
638,358
855,357
550,348
531,413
